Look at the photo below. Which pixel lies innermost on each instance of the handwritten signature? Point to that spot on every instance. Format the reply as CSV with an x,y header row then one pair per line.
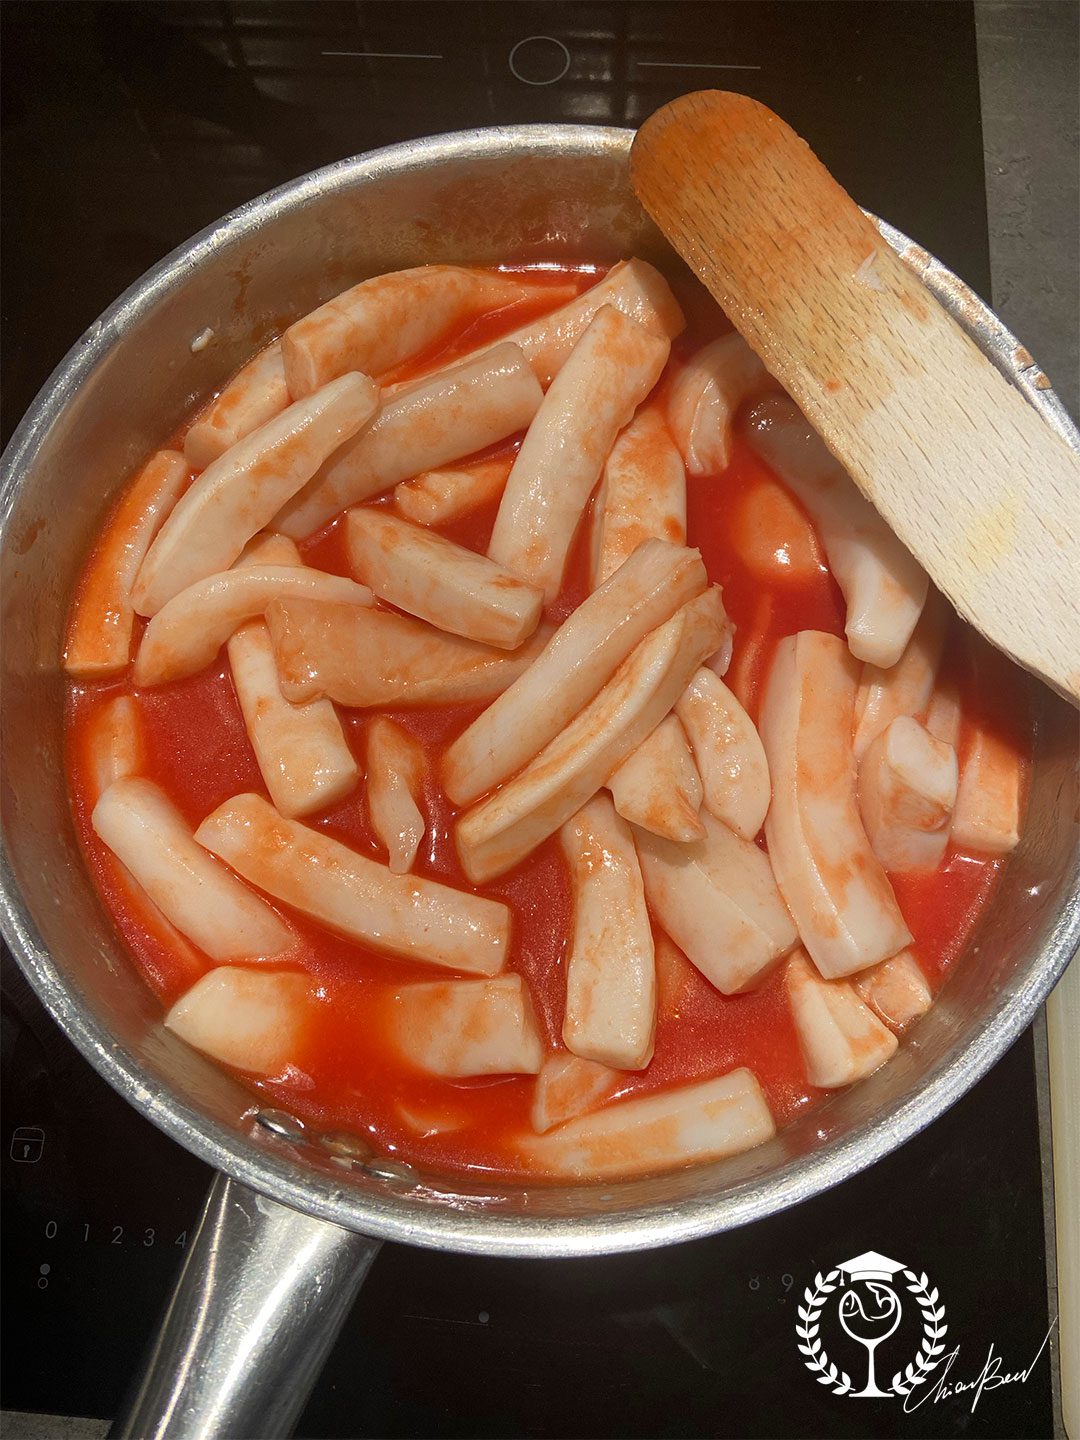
x,y
992,1376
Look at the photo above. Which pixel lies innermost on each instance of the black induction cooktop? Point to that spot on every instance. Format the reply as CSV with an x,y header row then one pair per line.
x,y
128,126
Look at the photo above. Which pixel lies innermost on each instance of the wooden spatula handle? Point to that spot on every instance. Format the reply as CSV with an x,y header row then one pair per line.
x,y
973,481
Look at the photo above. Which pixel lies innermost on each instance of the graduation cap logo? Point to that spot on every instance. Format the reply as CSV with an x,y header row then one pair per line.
x,y
870,1266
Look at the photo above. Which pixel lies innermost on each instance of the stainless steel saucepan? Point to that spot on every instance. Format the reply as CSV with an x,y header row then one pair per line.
x,y
295,1217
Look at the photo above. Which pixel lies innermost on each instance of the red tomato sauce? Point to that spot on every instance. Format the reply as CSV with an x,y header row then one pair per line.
x,y
760,546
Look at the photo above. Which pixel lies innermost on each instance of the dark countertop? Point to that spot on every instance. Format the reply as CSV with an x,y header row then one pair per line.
x,y
1029,72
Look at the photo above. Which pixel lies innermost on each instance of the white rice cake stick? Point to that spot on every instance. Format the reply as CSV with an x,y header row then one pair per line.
x,y
717,899
841,1038
686,1126
302,753
581,656
116,743
255,395
147,834
379,658
720,660
705,397
658,787
607,375
354,896
986,820
383,321
833,882
884,587
267,548
907,792
568,1086
419,427
253,1020
187,633
438,581
728,752
116,748
944,714
499,832
242,491
632,286
395,787
611,970
642,495
457,1028
906,687
896,990
99,641
303,756
436,497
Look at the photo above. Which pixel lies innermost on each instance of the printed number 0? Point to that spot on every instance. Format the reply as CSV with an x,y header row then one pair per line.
x,y
50,1230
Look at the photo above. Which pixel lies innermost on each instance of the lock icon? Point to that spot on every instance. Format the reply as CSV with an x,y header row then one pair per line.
x,y
27,1143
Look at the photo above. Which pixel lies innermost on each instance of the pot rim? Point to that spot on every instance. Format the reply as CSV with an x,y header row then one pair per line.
x,y
455,1224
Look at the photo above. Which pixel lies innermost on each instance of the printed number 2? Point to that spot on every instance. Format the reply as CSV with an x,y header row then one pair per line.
x,y
117,1234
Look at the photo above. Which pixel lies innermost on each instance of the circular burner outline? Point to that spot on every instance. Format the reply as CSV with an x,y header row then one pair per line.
x,y
527,41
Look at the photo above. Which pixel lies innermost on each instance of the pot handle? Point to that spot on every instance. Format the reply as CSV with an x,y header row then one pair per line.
x,y
259,1301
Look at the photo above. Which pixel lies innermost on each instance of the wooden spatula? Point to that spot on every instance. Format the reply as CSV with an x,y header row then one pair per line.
x,y
972,480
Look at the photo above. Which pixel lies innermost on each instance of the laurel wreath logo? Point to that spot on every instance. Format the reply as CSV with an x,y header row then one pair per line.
x,y
807,1330
838,1381
903,1382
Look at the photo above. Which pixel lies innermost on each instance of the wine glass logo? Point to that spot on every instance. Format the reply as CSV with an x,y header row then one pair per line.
x,y
870,1329
870,1309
